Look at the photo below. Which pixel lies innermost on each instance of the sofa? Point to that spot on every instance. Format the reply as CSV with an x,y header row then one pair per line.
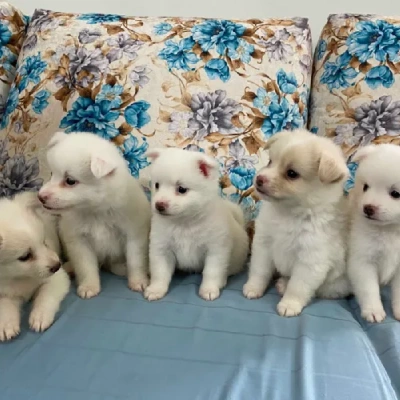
x,y
223,87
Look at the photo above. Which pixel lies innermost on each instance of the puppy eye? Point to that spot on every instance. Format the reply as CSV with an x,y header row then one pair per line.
x,y
26,257
395,194
70,181
292,174
157,185
181,190
365,188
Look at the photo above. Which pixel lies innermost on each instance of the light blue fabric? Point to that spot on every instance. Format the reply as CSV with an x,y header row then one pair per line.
x,y
118,346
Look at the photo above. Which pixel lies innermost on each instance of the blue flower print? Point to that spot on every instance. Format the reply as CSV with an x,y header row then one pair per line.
x,y
11,105
111,94
134,154
378,39
314,130
87,115
243,52
321,49
286,82
263,99
5,34
99,18
380,75
222,34
250,207
217,68
40,101
178,55
282,116
31,70
162,28
241,177
337,74
194,147
350,182
136,114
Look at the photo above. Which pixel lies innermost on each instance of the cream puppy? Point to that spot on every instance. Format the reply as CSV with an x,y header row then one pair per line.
x,y
301,229
29,265
105,215
192,229
374,251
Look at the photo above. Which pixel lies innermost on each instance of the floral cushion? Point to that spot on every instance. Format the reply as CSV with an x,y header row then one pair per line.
x,y
218,86
356,84
12,33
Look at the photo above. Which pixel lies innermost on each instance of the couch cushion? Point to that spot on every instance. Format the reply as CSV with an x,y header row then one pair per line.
x,y
12,33
217,86
356,83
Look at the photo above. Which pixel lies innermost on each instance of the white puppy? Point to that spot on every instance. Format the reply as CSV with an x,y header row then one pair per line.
x,y
29,265
192,229
105,215
374,253
301,229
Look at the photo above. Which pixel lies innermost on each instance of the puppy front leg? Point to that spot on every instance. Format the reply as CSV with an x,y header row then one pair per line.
x,y
86,267
137,263
364,279
9,318
301,287
396,294
215,273
162,266
47,301
260,271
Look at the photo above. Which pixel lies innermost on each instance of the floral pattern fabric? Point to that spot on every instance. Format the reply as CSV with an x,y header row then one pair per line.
x,y
356,84
218,86
12,34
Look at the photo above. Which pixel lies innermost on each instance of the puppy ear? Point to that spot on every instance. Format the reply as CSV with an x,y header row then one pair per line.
x,y
153,154
56,138
363,153
101,167
207,165
331,169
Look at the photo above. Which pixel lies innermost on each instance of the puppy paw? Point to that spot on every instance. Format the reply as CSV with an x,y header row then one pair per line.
x,y
252,291
40,319
138,285
281,285
376,314
9,330
155,292
289,308
88,291
209,292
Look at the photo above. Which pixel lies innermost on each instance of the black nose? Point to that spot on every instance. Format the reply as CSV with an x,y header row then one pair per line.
x,y
42,199
55,268
369,210
160,207
260,180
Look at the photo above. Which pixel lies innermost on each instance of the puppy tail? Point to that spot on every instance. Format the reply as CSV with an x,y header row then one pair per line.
x,y
237,213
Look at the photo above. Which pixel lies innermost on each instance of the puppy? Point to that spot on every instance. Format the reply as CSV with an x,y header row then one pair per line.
x,y
105,216
29,265
374,250
192,229
301,229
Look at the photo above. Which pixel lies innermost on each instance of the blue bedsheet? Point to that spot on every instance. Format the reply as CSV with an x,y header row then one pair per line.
x,y
118,346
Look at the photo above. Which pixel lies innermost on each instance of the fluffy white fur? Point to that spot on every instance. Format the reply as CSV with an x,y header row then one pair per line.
x,y
301,229
374,251
105,215
193,231
29,265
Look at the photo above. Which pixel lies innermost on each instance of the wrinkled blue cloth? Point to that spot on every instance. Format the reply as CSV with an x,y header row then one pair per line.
x,y
118,346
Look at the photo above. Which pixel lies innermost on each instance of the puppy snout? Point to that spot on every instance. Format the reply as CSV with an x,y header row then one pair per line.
x,y
54,268
161,206
43,197
261,180
370,210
